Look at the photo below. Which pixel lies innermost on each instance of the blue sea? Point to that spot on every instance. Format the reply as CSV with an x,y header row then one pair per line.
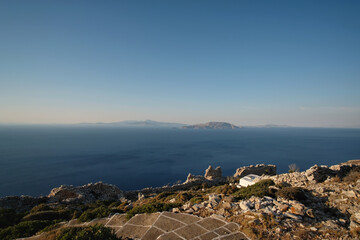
x,y
35,159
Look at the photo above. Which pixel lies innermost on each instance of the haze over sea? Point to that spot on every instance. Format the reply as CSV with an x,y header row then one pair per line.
x,y
35,159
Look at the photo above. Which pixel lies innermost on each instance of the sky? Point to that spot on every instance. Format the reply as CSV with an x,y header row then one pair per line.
x,y
246,62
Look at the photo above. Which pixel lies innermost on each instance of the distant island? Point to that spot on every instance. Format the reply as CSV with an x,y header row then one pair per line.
x,y
133,123
157,124
212,125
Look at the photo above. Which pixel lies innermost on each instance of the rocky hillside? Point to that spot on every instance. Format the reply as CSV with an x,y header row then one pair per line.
x,y
212,125
319,203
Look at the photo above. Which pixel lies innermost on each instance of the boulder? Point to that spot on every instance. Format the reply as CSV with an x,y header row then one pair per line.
x,y
259,169
319,173
194,179
211,174
355,221
85,194
244,205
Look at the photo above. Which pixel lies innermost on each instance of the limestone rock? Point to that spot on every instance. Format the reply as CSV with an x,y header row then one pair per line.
x,y
214,197
211,173
259,169
85,194
319,173
244,205
355,221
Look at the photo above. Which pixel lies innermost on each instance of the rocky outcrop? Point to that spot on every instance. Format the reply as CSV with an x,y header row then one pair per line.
x,y
259,169
319,173
85,194
211,173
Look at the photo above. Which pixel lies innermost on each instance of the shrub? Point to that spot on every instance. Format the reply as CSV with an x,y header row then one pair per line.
x,y
48,215
94,213
196,200
163,195
183,197
292,193
87,233
231,179
226,189
293,168
9,217
151,208
353,175
39,208
23,229
259,189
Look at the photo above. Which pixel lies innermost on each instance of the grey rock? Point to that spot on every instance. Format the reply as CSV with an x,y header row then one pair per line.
x,y
86,193
259,169
211,174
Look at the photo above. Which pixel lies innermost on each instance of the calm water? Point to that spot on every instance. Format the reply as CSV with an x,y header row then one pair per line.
x,y
33,160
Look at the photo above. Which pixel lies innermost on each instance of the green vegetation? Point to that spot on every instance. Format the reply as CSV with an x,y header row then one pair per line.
x,y
87,233
90,214
48,215
151,208
259,189
44,217
40,208
24,229
226,189
8,217
196,200
292,193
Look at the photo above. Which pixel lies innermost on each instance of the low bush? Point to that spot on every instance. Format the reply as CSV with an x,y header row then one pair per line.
x,y
292,193
183,197
196,200
87,233
151,208
48,215
94,213
226,189
23,229
40,208
259,189
163,196
353,175
9,217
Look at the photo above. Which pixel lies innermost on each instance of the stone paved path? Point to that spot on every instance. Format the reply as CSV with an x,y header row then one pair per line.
x,y
167,226
174,226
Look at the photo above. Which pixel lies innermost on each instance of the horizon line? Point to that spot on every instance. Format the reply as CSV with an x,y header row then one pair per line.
x,y
269,125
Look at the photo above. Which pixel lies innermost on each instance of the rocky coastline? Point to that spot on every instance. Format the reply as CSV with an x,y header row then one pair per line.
x,y
322,202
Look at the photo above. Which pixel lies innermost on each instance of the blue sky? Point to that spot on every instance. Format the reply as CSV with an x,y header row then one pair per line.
x,y
245,62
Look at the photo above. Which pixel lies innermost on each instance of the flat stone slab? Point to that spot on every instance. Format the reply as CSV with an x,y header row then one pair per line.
x,y
117,220
145,219
191,231
174,226
167,226
211,223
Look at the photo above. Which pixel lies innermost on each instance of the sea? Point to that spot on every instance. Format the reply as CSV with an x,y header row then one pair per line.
x,y
35,159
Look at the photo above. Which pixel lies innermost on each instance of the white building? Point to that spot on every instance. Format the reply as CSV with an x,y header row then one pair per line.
x,y
247,180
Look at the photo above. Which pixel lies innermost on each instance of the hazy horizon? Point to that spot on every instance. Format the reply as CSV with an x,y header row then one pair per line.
x,y
243,62
181,123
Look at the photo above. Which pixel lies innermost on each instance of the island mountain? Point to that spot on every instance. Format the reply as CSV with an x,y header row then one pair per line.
x,y
133,123
212,125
